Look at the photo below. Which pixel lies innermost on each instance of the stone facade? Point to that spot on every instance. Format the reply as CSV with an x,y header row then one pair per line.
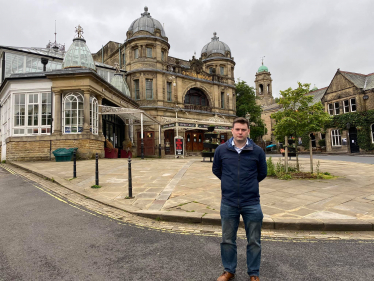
x,y
264,88
33,149
160,83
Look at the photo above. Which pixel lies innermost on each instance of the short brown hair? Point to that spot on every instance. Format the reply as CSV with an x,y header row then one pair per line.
x,y
240,120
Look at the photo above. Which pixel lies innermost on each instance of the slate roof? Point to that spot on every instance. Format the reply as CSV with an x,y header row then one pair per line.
x,y
317,95
361,81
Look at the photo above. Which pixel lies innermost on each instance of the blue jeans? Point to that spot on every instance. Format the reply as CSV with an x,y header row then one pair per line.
x,y
252,217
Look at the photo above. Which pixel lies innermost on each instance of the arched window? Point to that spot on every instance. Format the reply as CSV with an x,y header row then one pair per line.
x,y
72,113
261,89
94,116
197,97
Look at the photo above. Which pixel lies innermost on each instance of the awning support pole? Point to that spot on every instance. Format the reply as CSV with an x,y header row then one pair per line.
x,y
141,136
159,141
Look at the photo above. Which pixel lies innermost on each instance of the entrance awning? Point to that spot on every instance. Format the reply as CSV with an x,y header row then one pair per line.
x,y
221,124
129,114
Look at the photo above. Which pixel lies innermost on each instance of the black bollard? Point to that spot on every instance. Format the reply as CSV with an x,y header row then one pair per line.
x,y
97,170
75,164
159,150
142,148
130,179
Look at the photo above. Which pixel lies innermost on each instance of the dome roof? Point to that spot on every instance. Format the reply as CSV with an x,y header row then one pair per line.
x,y
78,54
263,68
120,83
215,46
147,23
314,89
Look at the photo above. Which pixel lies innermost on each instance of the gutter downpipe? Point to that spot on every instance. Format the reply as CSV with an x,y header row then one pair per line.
x,y
119,55
102,53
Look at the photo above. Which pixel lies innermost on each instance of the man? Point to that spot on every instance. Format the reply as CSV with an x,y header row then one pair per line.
x,y
240,165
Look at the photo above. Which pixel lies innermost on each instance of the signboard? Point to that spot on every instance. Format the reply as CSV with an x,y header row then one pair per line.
x,y
168,126
179,146
191,125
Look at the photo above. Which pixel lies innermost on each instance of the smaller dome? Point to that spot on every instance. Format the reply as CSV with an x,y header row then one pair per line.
x,y
78,54
314,89
215,46
147,23
120,83
263,68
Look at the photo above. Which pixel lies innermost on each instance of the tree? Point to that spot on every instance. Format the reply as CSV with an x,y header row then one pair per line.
x,y
299,117
276,100
246,104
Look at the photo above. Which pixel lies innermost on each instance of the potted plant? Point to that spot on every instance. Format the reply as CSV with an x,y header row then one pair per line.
x,y
211,128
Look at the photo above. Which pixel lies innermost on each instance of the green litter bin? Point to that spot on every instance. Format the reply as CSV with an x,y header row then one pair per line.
x,y
64,154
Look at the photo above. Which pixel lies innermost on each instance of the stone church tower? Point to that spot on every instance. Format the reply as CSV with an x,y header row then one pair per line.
x,y
263,86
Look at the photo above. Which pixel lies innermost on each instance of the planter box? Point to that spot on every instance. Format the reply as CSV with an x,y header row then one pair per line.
x,y
111,153
64,154
210,129
210,145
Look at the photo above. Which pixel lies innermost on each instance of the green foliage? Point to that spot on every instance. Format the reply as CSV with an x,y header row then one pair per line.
x,y
298,116
4,161
361,120
276,100
322,142
246,103
271,168
96,186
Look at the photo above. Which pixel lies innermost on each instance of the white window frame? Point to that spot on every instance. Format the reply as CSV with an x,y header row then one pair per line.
x,y
346,107
336,108
77,124
94,115
355,104
336,138
331,109
31,129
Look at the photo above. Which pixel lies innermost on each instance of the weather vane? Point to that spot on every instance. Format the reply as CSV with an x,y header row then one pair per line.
x,y
262,60
79,31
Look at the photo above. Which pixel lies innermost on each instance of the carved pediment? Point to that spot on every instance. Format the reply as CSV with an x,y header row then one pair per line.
x,y
196,65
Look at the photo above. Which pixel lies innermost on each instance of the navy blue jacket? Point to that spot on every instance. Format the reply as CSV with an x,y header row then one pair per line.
x,y
240,173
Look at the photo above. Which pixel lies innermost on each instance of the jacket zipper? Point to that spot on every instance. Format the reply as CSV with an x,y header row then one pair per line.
x,y
238,180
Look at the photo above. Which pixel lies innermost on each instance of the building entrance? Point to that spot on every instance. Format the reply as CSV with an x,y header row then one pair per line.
x,y
169,142
353,140
194,140
149,143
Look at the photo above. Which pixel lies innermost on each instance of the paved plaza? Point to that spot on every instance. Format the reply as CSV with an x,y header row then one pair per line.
x,y
187,190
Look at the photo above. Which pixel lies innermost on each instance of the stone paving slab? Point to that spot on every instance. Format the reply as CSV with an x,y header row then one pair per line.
x,y
186,188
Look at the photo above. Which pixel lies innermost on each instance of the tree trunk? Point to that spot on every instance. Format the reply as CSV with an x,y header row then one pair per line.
x,y
286,153
311,154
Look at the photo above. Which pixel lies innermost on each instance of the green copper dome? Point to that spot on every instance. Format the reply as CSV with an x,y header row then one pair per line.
x,y
263,68
120,83
78,54
314,89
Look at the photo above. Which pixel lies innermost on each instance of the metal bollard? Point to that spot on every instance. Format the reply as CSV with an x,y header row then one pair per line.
x,y
75,164
159,150
142,148
130,179
97,170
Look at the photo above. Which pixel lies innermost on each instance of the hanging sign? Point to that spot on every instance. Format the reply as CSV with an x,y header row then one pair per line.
x,y
179,146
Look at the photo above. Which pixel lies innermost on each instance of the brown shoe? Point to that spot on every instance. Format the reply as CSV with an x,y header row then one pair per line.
x,y
254,278
226,276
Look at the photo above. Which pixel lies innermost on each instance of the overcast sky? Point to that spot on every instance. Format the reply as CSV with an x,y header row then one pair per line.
x,y
304,41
